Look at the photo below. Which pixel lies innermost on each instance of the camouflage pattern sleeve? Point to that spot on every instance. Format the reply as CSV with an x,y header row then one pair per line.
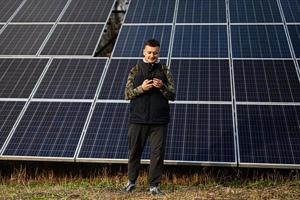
x,y
130,91
168,90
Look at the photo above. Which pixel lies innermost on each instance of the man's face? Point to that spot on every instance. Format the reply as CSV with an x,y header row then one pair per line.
x,y
151,54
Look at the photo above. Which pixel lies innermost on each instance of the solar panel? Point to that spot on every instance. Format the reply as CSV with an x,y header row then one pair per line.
x,y
49,129
294,31
19,76
113,86
40,11
155,11
88,11
131,39
201,133
23,39
201,80
71,79
252,11
8,8
204,135
201,11
269,134
9,112
106,136
116,77
257,124
259,41
73,39
291,10
200,41
266,81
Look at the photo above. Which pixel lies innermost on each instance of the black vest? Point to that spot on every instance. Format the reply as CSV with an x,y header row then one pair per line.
x,y
150,107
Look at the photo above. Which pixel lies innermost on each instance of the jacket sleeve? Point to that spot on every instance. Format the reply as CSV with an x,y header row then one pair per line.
x,y
168,90
130,91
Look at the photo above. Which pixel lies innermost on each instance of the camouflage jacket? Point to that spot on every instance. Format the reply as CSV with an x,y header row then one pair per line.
x,y
168,90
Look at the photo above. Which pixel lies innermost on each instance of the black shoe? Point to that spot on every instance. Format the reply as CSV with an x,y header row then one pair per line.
x,y
129,187
156,191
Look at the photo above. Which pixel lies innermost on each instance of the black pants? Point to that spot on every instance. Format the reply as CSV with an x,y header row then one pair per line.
x,y
137,136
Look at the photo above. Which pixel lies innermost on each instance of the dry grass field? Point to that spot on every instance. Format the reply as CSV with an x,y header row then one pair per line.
x,y
86,181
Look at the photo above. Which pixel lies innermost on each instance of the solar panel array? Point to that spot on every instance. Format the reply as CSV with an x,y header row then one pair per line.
x,y
235,65
49,77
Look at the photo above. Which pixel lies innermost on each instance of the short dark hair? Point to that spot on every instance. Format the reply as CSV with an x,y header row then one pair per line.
x,y
152,43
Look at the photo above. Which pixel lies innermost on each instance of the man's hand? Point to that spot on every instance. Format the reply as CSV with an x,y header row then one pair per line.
x,y
157,83
147,85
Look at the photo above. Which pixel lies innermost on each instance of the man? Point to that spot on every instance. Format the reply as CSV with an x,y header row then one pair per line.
x,y
149,87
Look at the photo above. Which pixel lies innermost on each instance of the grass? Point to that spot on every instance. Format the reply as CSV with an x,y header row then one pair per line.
x,y
91,181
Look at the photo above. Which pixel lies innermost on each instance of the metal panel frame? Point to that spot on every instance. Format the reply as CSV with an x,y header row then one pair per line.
x,y
166,162
233,95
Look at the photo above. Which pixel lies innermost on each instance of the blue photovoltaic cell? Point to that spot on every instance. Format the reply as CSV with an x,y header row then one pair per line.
x,y
200,41
106,136
73,39
201,11
294,31
201,80
71,79
291,10
269,134
9,112
115,80
259,41
131,40
40,11
266,81
201,133
49,129
252,11
7,8
88,11
19,76
155,11
23,39
196,133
